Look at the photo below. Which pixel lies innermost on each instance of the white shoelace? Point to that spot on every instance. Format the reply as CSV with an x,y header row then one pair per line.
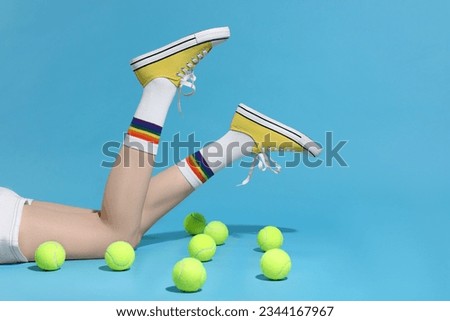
x,y
263,162
188,77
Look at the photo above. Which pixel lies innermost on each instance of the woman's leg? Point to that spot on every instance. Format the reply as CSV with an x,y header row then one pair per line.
x,y
64,208
166,190
251,133
84,235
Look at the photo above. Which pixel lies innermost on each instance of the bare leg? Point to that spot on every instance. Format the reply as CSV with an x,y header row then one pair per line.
x,y
64,208
166,190
125,194
171,186
82,233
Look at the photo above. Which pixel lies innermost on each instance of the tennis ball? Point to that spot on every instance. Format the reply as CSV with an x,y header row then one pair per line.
x,y
218,231
270,237
119,256
189,274
194,223
50,256
275,264
202,247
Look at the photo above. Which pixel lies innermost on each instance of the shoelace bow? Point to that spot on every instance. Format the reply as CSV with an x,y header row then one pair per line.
x,y
188,77
263,162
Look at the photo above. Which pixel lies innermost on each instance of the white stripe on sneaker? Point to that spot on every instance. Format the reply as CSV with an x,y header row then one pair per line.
x,y
298,137
215,35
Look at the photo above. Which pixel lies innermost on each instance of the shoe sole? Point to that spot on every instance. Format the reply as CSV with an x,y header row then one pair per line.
x,y
280,128
215,35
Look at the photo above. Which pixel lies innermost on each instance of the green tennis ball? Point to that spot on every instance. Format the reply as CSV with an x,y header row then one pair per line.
x,y
189,274
50,256
218,231
202,247
275,264
270,237
194,223
119,256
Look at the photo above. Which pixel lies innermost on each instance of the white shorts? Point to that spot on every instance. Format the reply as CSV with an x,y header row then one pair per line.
x,y
11,206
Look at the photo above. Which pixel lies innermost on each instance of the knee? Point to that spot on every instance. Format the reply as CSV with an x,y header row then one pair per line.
x,y
134,238
122,232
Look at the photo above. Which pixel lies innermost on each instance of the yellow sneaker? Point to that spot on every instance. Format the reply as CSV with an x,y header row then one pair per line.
x,y
269,134
177,60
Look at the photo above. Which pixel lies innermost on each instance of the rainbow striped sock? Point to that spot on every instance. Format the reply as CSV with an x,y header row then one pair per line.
x,y
202,165
195,169
143,135
145,128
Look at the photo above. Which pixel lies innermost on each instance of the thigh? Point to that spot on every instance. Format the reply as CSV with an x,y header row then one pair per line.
x,y
81,231
63,208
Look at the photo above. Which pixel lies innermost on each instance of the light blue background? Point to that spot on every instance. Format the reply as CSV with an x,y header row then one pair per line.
x,y
376,73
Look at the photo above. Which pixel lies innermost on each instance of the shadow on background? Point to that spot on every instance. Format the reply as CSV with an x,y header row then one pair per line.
x,y
35,268
234,230
263,278
156,238
106,268
174,289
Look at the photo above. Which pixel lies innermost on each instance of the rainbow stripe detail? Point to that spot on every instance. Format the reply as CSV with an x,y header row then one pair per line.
x,y
145,130
199,167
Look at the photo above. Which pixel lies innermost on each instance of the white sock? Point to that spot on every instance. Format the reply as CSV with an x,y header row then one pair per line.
x,y
203,164
148,121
